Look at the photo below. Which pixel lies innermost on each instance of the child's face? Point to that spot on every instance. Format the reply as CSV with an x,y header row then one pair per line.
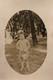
x,y
21,36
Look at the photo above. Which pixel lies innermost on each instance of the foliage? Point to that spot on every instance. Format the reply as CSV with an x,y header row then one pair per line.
x,y
29,22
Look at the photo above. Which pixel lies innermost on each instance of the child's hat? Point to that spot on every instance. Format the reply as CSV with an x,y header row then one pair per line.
x,y
20,32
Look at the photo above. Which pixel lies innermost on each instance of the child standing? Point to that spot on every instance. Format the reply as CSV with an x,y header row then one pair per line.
x,y
23,47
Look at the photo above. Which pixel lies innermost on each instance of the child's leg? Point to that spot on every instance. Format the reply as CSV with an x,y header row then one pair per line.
x,y
27,62
21,60
19,56
22,65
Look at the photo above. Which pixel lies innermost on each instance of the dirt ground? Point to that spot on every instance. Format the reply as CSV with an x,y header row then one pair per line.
x,y
36,57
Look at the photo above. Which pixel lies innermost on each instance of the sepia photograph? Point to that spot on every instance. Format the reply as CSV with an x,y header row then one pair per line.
x,y
25,42
26,39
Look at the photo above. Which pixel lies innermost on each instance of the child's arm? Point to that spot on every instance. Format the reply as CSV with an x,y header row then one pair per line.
x,y
28,45
18,47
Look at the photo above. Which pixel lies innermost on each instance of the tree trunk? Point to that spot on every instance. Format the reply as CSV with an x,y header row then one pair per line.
x,y
34,38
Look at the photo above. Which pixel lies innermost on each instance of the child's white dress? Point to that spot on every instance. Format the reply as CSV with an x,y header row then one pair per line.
x,y
23,45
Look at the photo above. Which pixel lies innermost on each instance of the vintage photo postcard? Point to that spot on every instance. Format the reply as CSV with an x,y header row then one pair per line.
x,y
26,40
